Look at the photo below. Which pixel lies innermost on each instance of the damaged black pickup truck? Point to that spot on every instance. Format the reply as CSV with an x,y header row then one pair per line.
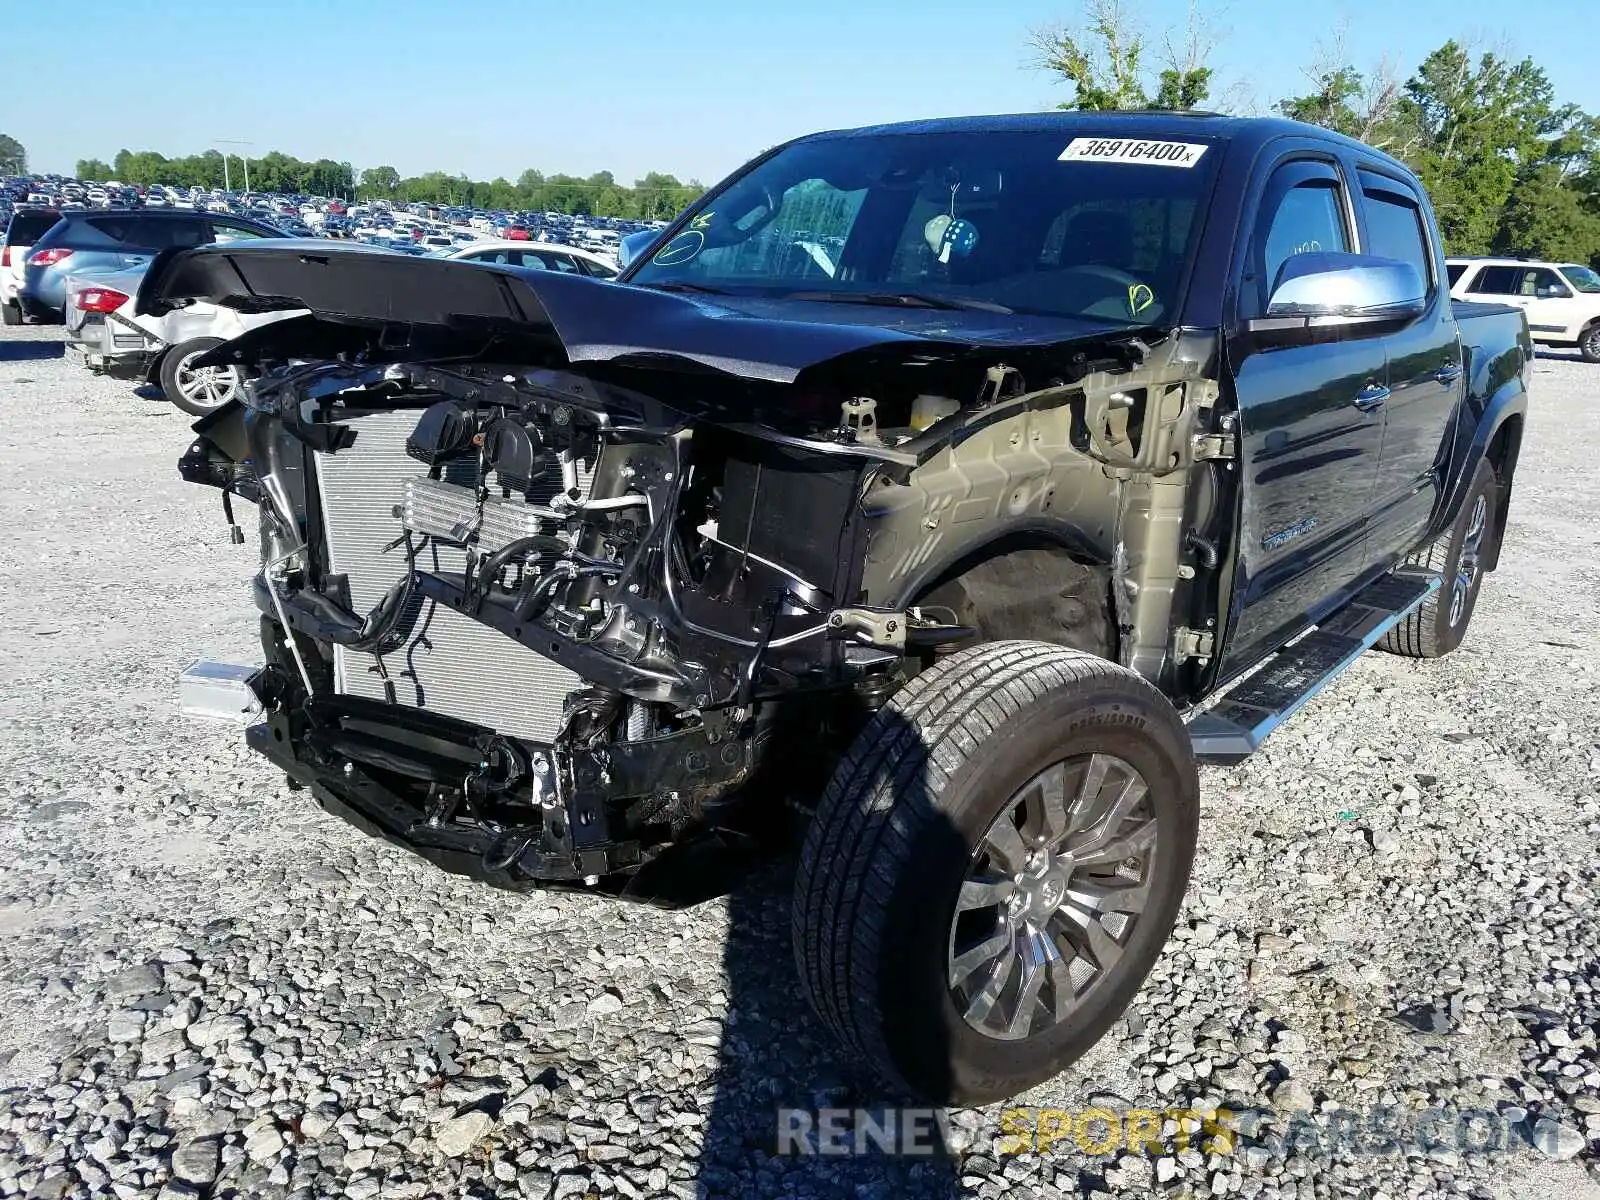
x,y
946,490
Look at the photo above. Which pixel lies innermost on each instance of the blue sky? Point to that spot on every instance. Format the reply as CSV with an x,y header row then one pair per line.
x,y
490,87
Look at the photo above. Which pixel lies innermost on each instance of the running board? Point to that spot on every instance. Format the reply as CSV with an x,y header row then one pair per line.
x,y
1235,728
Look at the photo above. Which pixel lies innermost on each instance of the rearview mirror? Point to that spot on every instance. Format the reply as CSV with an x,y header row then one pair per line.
x,y
1325,291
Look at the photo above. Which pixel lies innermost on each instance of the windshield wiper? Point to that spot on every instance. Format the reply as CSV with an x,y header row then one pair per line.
x,y
681,285
904,300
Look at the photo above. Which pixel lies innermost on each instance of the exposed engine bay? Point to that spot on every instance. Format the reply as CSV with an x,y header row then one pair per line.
x,y
550,623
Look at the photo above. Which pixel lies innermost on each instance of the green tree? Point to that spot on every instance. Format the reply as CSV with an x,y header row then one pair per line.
x,y
379,181
13,156
92,170
1104,60
1546,218
1481,122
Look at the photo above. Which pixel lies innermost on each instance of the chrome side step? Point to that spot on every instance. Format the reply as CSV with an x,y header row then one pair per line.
x,y
1235,728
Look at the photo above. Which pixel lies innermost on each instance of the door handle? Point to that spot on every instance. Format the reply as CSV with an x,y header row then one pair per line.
x,y
1448,373
1371,397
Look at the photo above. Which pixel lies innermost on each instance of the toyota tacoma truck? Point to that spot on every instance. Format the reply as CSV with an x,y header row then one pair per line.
x,y
933,495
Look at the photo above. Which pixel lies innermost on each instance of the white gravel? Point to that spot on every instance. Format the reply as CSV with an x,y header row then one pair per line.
x,y
210,988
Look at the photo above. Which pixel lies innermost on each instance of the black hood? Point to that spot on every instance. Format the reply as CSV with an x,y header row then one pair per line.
x,y
587,320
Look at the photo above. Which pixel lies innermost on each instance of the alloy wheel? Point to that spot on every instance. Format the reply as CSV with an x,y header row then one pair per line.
x,y
208,387
1055,890
1469,563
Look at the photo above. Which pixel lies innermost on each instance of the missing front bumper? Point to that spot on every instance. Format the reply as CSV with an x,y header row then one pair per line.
x,y
417,780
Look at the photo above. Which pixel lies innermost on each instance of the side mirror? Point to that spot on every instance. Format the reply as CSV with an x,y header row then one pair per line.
x,y
1321,295
634,244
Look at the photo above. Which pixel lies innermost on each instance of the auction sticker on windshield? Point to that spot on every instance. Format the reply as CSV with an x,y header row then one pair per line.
x,y
1133,150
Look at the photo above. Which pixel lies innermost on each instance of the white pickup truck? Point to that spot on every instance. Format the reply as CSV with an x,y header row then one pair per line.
x,y
1562,300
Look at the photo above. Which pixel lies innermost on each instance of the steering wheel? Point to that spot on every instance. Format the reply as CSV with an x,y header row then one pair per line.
x,y
1133,294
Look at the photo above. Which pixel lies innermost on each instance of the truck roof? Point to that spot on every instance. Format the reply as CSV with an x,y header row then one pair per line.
x,y
1160,124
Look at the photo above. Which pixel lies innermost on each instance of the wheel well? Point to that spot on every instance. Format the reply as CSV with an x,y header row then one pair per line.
x,y
1031,588
1501,456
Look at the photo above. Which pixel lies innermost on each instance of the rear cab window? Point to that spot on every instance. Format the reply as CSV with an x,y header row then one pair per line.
x,y
1396,228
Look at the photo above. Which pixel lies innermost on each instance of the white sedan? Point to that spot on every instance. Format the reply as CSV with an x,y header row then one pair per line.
x,y
544,256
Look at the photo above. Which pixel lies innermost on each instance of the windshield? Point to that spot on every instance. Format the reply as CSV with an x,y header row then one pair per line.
x,y
1020,221
1582,278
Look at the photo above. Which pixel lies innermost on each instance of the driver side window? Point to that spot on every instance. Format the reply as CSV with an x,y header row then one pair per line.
x,y
1307,221
1303,212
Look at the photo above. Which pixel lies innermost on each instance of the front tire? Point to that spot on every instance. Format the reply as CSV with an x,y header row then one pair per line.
x,y
1439,624
1589,343
198,390
994,869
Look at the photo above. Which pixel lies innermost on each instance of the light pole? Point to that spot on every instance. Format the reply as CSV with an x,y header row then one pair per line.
x,y
245,158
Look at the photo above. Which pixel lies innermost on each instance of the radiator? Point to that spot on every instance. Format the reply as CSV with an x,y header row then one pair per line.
x,y
450,663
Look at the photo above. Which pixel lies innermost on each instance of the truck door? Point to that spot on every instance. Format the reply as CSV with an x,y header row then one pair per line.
x,y
1425,373
1310,426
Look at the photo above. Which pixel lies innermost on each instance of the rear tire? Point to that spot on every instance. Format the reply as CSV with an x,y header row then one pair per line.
x,y
1589,343
11,313
198,390
905,883
1439,624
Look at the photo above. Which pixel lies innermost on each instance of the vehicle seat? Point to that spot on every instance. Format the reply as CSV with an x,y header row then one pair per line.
x,y
1099,237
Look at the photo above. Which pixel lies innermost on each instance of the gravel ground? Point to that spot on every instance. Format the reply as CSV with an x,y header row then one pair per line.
x,y
208,987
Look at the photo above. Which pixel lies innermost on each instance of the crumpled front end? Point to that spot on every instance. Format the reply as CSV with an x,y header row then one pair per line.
x,y
528,624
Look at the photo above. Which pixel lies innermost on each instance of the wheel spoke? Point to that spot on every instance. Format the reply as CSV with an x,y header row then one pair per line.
x,y
1089,789
1091,896
1034,956
1107,827
1133,843
964,965
1045,818
985,998
1004,842
984,893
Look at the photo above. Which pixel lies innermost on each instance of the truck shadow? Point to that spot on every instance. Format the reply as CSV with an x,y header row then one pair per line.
x,y
781,1074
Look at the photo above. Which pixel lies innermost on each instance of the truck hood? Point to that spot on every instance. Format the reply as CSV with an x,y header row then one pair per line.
x,y
464,306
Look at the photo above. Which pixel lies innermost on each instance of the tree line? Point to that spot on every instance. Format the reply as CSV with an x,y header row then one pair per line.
x,y
13,156
1509,168
655,197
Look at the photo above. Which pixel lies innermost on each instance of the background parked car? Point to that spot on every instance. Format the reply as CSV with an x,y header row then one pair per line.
x,y
1561,300
542,256
27,225
104,332
114,239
